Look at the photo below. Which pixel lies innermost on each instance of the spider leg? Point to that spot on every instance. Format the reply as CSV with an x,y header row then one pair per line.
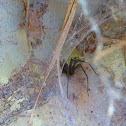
x,y
91,67
86,76
79,65
74,63
72,66
88,64
70,71
68,86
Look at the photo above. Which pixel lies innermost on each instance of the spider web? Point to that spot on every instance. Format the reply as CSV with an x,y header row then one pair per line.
x,y
104,19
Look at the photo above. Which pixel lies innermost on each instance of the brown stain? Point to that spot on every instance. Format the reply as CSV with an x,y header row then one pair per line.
x,y
107,27
93,50
33,22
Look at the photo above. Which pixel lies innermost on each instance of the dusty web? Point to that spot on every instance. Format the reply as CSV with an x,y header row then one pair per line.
x,y
95,29
105,20
20,93
92,26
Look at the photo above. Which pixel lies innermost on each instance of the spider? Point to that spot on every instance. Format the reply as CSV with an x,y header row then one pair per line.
x,y
70,69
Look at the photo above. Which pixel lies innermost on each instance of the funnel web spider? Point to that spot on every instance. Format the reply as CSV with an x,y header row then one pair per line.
x,y
70,69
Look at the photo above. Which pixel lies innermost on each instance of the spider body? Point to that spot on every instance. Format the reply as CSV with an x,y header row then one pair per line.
x,y
70,69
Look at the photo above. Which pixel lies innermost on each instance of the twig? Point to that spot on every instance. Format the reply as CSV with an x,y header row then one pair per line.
x,y
109,50
62,38
108,41
69,11
125,54
27,27
58,71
